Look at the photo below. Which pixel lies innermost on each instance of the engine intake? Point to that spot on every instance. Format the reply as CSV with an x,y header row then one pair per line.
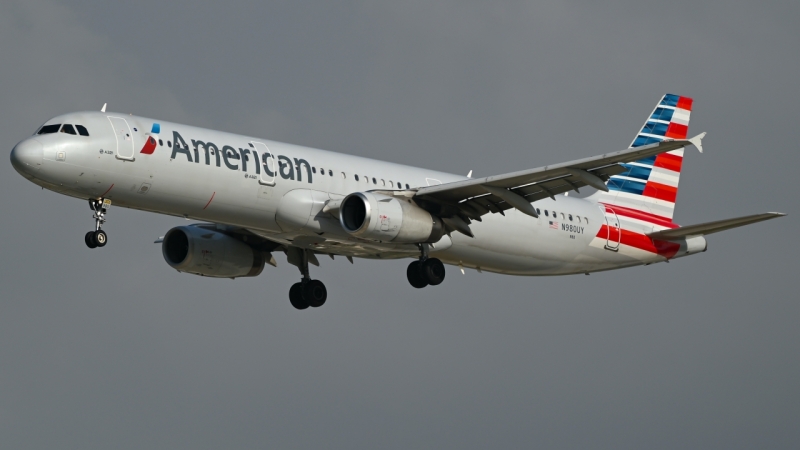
x,y
382,218
209,253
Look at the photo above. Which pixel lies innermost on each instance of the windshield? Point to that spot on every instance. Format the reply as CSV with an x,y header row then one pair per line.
x,y
49,129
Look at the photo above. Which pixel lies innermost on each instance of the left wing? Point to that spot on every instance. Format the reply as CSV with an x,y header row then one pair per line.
x,y
470,199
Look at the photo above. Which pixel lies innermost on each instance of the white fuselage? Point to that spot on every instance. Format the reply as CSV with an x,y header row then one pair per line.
x,y
222,178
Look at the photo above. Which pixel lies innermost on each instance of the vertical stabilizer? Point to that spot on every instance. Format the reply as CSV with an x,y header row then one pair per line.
x,y
650,185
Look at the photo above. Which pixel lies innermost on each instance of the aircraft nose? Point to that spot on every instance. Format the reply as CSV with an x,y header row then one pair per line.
x,y
26,157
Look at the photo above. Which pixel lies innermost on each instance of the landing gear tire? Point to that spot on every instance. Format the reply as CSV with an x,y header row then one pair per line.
x,y
307,292
90,242
314,293
432,271
414,274
100,238
296,296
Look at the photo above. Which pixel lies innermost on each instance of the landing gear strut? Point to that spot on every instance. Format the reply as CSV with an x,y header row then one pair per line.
x,y
98,237
307,292
425,271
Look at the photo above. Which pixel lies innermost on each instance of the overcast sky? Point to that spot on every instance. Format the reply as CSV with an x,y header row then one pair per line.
x,y
113,349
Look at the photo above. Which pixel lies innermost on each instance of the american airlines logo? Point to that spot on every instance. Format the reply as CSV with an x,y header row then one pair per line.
x,y
210,154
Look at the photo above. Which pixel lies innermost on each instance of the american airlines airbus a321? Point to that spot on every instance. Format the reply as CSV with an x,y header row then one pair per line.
x,y
256,197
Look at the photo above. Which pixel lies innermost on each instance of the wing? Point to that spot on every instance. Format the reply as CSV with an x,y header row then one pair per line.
x,y
470,199
712,227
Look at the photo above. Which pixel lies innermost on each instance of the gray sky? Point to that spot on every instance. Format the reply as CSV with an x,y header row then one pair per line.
x,y
113,349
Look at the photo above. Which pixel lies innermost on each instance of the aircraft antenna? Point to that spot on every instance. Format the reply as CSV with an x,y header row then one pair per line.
x,y
103,109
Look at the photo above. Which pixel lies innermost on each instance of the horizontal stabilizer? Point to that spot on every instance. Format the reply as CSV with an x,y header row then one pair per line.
x,y
712,227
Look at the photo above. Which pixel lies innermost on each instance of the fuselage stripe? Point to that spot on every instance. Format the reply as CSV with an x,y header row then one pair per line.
x,y
641,215
666,249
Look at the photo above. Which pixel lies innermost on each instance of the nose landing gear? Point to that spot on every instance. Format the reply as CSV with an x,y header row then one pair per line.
x,y
98,237
425,271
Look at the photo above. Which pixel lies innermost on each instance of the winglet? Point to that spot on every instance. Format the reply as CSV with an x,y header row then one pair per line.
x,y
697,141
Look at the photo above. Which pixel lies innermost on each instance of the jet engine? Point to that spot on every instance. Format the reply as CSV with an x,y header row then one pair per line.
x,y
209,253
382,218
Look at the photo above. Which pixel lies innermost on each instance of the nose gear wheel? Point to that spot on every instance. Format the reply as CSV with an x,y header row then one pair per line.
x,y
98,237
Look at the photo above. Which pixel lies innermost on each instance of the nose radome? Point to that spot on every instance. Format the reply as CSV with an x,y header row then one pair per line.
x,y
26,157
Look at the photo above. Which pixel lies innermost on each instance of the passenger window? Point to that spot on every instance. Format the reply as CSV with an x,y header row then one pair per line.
x,y
321,171
579,218
391,184
82,130
562,216
570,217
586,219
49,129
538,211
169,144
546,213
383,183
407,186
161,142
344,176
330,173
555,214
374,181
356,177
313,170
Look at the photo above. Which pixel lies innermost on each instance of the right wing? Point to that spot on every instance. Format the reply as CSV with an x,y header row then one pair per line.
x,y
470,199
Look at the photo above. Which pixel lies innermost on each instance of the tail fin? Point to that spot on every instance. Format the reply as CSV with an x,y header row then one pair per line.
x,y
650,185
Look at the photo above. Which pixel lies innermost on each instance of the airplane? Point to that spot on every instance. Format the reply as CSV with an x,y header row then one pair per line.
x,y
255,197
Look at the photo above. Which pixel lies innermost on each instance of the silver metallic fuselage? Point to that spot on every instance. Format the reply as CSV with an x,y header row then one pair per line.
x,y
201,185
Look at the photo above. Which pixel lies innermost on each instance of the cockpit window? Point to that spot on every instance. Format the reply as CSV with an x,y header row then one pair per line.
x,y
82,130
69,129
49,129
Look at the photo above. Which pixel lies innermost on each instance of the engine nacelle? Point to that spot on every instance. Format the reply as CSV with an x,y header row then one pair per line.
x,y
209,253
388,219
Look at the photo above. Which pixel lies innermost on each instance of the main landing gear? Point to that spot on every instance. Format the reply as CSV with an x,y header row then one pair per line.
x,y
307,292
98,237
426,271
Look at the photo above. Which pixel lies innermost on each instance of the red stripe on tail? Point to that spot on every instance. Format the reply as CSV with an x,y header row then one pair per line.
x,y
685,103
660,191
669,162
677,131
